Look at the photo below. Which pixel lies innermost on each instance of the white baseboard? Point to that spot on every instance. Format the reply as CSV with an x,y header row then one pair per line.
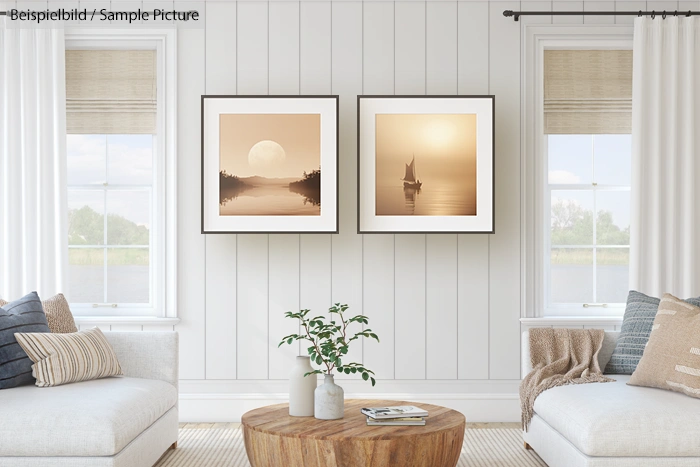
x,y
229,407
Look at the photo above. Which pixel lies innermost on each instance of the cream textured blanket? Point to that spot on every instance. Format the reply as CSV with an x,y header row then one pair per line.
x,y
560,357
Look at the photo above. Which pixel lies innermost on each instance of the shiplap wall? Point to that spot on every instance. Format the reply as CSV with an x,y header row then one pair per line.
x,y
446,307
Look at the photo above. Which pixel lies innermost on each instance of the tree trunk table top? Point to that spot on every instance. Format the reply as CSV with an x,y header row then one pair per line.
x,y
273,438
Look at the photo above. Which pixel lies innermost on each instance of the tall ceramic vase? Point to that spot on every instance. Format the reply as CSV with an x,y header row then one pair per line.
x,y
301,389
329,400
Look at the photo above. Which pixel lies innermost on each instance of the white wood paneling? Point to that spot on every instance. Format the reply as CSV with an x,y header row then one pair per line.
x,y
537,6
409,47
283,296
191,255
378,48
284,47
252,40
347,83
599,6
628,6
567,6
252,307
316,42
315,275
473,61
504,245
441,47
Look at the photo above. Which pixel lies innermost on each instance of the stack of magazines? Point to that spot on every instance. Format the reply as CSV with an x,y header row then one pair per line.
x,y
403,415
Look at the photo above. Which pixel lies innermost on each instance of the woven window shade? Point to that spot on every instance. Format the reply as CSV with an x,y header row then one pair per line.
x,y
111,91
588,91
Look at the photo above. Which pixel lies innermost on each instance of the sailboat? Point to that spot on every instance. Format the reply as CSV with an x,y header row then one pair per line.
x,y
410,180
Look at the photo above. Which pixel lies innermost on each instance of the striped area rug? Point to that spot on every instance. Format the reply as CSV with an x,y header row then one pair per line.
x,y
219,447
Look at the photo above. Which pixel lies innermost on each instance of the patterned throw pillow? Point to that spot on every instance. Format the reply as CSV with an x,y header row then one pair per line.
x,y
634,335
672,357
58,314
23,315
68,358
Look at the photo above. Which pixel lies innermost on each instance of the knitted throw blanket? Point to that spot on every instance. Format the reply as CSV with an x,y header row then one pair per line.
x,y
560,357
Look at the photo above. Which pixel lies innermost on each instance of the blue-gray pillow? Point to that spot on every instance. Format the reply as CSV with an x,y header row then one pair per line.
x,y
23,315
636,326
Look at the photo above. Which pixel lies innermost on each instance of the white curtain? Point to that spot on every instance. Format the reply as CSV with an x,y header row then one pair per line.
x,y
33,196
665,229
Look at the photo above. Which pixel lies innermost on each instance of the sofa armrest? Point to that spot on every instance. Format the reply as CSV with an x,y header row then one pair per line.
x,y
150,355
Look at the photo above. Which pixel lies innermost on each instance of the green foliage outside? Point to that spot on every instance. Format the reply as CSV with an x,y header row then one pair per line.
x,y
573,225
86,227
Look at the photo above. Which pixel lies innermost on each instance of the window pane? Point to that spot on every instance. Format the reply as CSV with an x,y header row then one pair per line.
x,y
572,217
612,275
86,159
128,218
130,159
570,159
613,219
128,275
572,275
86,275
613,159
86,217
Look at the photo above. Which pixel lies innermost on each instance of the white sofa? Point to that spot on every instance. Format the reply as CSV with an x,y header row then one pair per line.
x,y
613,424
127,421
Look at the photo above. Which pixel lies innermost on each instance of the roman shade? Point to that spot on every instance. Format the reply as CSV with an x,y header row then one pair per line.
x,y
587,91
111,91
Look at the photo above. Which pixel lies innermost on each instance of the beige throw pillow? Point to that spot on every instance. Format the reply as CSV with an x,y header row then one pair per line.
x,y
671,358
57,312
67,358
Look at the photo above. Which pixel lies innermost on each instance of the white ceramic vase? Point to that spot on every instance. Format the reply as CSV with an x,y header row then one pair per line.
x,y
329,400
301,389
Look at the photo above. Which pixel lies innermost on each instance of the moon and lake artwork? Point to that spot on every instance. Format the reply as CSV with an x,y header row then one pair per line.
x,y
425,164
269,164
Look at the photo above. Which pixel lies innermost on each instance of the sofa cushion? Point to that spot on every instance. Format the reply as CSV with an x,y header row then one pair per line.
x,y
615,420
22,315
91,418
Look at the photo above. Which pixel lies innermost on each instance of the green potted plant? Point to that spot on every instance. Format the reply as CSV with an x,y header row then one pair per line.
x,y
330,340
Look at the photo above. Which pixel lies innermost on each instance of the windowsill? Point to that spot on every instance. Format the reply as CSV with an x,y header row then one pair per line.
x,y
137,320
571,320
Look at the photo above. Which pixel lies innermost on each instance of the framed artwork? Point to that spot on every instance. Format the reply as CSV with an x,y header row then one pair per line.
x,y
269,164
425,164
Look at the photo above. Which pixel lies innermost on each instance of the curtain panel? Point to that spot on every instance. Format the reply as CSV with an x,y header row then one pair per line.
x,y
665,228
33,195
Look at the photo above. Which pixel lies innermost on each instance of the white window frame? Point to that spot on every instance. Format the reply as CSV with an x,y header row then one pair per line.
x,y
164,249
535,188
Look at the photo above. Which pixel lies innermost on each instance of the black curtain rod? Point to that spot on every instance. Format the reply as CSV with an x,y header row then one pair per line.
x,y
517,14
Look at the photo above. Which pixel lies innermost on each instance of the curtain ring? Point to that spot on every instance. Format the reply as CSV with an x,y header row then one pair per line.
x,y
675,13
640,14
688,15
653,14
664,15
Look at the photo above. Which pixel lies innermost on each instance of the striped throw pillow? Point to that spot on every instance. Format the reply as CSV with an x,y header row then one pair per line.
x,y
671,359
68,358
23,315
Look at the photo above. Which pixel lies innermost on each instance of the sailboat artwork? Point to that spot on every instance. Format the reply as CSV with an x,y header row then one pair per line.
x,y
410,180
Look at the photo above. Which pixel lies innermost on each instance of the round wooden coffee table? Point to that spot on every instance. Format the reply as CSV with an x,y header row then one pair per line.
x,y
274,439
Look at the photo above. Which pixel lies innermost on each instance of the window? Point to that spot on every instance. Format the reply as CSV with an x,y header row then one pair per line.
x,y
120,173
588,191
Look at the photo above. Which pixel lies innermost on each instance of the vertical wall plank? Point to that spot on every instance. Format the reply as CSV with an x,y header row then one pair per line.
x,y
252,306
220,283
410,47
441,311
541,5
441,47
315,273
283,273
598,6
347,83
252,40
567,6
284,47
190,242
315,18
378,250
628,6
473,250
504,250
441,250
